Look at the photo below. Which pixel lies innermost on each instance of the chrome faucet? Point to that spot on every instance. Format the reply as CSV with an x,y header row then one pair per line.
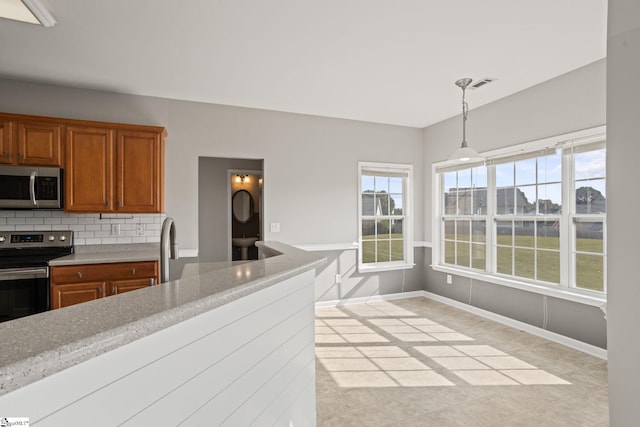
x,y
168,247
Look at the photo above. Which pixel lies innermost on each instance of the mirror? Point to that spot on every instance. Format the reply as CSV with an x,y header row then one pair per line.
x,y
242,205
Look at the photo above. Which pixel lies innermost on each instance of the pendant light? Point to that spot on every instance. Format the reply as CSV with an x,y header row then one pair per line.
x,y
465,153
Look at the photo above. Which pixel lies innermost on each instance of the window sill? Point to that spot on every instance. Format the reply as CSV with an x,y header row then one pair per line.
x,y
560,293
388,267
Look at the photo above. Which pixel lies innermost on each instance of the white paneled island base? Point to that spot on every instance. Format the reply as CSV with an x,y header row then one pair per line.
x,y
247,362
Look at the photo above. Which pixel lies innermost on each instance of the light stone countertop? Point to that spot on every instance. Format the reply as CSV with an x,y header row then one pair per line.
x,y
100,254
37,346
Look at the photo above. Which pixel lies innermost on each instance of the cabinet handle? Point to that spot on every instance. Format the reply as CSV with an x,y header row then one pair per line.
x,y
133,271
20,156
152,281
119,203
113,290
99,292
79,274
5,154
106,203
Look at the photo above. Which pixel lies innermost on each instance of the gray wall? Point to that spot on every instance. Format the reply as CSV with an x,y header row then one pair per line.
x,y
214,205
623,175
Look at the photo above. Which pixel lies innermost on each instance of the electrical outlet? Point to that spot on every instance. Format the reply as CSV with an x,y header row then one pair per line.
x,y
449,279
115,229
275,227
139,229
338,278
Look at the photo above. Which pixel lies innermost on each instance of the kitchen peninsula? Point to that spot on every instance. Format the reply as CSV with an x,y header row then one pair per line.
x,y
227,343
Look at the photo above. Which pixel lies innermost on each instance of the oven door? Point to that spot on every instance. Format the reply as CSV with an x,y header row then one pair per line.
x,y
23,291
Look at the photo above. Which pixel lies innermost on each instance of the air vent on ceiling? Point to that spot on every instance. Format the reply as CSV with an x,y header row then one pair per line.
x,y
481,82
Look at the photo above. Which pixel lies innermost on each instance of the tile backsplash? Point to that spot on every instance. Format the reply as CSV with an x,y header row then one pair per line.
x,y
88,229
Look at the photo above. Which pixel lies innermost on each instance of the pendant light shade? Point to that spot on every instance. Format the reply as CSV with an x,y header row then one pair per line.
x,y
465,153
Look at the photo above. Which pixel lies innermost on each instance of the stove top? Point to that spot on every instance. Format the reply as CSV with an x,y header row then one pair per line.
x,y
33,248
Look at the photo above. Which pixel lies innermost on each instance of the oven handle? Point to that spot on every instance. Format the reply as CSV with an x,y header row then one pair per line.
x,y
24,273
32,187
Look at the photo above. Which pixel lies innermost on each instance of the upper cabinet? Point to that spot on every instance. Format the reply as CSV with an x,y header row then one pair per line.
x,y
114,170
30,142
108,167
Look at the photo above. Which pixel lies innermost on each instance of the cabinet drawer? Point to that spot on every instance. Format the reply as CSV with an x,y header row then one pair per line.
x,y
108,271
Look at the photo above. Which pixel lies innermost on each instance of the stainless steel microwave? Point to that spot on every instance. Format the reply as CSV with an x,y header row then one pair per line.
x,y
31,187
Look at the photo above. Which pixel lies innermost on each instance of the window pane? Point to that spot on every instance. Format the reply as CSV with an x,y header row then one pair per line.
x,y
505,201
479,177
463,232
464,178
382,204
504,259
548,266
450,202
462,257
383,227
396,228
550,199
504,175
480,201
450,229
524,263
368,229
526,172
368,204
523,231
591,164
367,183
384,251
465,201
397,249
396,204
382,184
504,231
589,237
550,168
395,184
368,251
478,256
590,272
591,196
449,252
479,231
548,234
526,200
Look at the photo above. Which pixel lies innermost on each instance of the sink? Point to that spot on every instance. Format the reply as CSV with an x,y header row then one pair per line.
x,y
243,243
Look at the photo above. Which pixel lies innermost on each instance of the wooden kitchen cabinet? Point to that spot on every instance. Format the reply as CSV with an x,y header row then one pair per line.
x,y
31,142
74,284
114,170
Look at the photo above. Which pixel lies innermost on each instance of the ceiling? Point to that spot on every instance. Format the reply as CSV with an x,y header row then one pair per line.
x,y
383,61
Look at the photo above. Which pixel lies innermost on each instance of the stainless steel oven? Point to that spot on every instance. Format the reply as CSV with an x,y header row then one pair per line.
x,y
24,270
31,187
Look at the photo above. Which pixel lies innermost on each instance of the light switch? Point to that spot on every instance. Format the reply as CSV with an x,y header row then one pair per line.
x,y
275,227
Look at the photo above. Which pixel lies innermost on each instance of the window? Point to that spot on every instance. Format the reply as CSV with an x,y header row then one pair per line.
x,y
385,219
532,214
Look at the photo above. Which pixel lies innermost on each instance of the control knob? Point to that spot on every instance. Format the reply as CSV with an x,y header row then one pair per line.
x,y
52,238
63,238
2,239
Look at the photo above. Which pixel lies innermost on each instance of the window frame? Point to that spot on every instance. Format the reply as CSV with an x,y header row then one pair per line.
x,y
566,289
407,217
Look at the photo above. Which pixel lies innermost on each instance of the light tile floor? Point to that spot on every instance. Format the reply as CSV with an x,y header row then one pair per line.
x,y
417,362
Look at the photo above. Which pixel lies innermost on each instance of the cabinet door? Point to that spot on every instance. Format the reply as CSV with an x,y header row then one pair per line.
x,y
66,294
139,169
39,144
122,286
6,142
89,169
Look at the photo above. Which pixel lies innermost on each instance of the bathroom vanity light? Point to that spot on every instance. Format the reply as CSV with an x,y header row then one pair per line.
x,y
465,153
242,179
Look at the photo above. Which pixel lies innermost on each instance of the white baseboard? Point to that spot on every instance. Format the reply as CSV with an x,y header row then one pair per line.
x,y
364,300
543,333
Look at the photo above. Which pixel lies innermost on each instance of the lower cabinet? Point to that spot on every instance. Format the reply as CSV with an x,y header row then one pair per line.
x,y
73,284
